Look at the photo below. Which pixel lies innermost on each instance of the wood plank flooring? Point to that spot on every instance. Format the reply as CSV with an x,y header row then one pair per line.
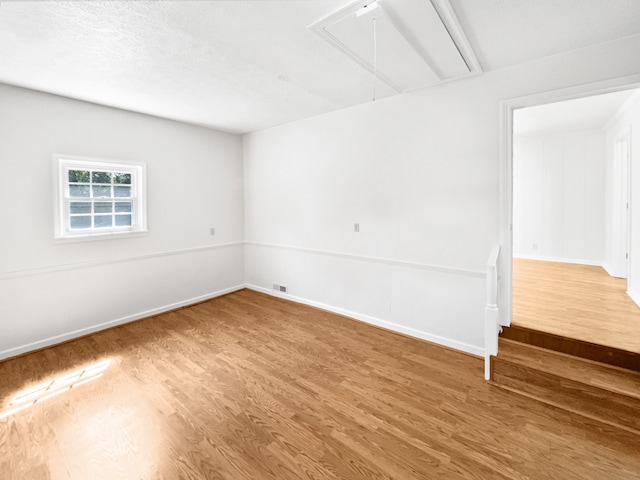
x,y
247,386
575,301
596,390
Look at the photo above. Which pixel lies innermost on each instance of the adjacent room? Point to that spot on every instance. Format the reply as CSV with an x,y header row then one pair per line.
x,y
573,270
270,239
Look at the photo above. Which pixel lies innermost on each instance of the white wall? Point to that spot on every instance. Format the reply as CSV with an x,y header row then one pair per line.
x,y
629,121
420,173
559,196
49,291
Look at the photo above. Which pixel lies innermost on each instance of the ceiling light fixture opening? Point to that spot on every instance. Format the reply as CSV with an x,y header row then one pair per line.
x,y
368,8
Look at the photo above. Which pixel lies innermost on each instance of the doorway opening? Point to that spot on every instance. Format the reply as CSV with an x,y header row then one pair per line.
x,y
568,223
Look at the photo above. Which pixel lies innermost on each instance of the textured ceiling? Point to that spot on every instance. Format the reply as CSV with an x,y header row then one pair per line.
x,y
240,66
236,65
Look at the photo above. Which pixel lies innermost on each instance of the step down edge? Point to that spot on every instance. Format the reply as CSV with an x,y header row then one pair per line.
x,y
578,348
617,400
571,374
559,406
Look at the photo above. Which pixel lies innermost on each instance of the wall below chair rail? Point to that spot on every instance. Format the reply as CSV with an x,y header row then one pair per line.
x,y
42,308
424,301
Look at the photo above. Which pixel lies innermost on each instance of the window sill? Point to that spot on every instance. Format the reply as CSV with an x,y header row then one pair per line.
x,y
98,236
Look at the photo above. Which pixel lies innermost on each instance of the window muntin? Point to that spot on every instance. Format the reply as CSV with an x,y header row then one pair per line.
x,y
97,198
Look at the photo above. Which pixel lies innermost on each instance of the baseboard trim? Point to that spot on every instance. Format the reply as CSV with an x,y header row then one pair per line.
x,y
634,295
576,261
65,337
394,327
386,261
608,269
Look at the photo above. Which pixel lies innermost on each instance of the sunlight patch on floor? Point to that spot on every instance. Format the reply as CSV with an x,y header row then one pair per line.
x,y
29,397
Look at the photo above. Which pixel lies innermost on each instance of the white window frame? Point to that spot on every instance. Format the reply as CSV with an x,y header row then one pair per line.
x,y
62,213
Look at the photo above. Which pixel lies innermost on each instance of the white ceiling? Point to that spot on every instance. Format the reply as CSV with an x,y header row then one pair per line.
x,y
508,32
241,66
588,113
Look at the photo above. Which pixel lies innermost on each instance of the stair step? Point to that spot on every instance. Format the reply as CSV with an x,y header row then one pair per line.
x,y
578,348
595,374
598,391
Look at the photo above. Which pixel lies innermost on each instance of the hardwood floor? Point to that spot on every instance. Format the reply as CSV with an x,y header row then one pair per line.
x,y
596,390
247,386
575,301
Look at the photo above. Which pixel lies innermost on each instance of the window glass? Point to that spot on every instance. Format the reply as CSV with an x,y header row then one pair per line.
x,y
101,192
79,190
79,176
123,220
122,178
80,207
102,207
123,207
81,221
101,177
102,221
122,191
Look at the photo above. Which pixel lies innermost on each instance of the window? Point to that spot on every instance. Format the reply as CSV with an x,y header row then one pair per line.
x,y
98,198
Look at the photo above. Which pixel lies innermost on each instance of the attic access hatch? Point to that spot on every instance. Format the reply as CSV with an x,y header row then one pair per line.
x,y
419,43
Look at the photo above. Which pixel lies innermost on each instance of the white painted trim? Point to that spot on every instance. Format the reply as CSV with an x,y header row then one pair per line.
x,y
449,20
447,342
506,162
577,91
506,213
624,108
452,24
634,295
62,164
491,312
492,277
577,261
386,261
47,342
95,263
620,195
608,269
111,261
319,27
491,333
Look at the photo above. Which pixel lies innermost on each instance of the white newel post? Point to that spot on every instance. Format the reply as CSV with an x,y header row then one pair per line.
x,y
491,313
